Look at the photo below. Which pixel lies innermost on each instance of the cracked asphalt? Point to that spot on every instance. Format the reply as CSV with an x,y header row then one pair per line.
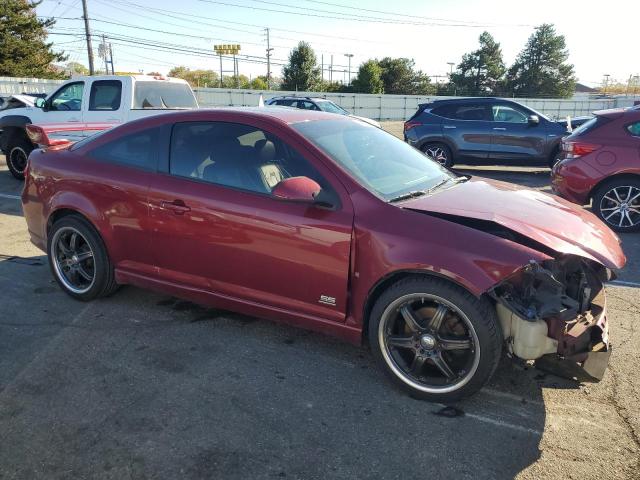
x,y
142,386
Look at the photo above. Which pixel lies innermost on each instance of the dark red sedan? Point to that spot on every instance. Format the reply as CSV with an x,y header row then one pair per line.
x,y
328,223
601,164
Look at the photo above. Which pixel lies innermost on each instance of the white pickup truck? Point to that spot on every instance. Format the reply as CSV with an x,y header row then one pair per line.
x,y
84,105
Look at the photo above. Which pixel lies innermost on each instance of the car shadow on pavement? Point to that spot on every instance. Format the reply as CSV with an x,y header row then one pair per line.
x,y
145,386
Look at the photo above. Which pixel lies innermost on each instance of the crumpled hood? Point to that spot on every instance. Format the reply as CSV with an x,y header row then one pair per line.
x,y
546,219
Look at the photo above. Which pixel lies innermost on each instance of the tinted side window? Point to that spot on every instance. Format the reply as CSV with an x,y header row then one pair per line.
x,y
235,155
135,150
307,105
465,111
634,129
506,113
105,95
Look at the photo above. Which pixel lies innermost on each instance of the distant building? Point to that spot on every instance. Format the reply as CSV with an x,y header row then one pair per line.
x,y
581,88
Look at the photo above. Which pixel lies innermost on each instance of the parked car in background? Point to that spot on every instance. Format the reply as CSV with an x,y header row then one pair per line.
x,y
329,223
481,131
317,104
600,163
19,101
83,106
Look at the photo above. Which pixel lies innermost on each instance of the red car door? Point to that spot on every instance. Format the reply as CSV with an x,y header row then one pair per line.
x,y
216,227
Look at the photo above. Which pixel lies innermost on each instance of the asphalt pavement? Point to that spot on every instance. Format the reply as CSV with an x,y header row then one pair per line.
x,y
145,386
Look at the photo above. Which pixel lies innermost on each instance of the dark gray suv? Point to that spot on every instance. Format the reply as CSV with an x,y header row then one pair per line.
x,y
481,131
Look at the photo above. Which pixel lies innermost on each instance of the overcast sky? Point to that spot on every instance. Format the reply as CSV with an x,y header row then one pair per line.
x,y
600,36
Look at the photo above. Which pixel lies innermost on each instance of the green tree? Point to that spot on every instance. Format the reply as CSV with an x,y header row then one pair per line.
x,y
302,72
196,78
369,78
259,83
541,69
24,51
75,68
481,72
399,77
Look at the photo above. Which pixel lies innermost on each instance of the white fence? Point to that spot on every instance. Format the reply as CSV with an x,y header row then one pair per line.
x,y
379,107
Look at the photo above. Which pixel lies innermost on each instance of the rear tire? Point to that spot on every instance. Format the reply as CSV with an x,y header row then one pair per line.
x,y
18,149
79,260
617,203
439,152
434,339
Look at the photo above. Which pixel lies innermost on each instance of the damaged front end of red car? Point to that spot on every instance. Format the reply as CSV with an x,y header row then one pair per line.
x,y
554,312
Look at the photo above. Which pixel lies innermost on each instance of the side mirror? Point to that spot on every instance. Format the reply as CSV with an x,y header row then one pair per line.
x,y
297,189
534,120
39,102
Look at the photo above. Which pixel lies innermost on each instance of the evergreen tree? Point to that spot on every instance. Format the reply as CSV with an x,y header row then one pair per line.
x,y
369,78
399,77
24,51
480,72
302,72
541,69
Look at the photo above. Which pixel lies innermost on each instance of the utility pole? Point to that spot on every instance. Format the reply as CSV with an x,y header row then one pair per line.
x,y
331,70
87,33
322,66
349,55
113,70
269,50
606,82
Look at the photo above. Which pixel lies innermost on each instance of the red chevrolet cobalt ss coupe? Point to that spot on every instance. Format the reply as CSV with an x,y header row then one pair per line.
x,y
328,223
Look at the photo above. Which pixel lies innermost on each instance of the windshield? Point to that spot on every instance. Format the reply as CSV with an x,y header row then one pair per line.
x,y
327,106
380,162
161,95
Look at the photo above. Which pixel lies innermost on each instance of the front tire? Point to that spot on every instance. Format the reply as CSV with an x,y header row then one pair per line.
x,y
18,150
79,260
434,339
617,203
439,152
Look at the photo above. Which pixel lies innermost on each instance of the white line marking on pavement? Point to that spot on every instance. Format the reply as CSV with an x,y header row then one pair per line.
x,y
12,197
623,283
500,423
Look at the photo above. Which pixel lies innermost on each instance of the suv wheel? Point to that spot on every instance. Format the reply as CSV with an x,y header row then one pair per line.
x,y
434,339
18,150
617,203
439,152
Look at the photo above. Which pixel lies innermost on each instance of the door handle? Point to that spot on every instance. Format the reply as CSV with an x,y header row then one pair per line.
x,y
177,206
499,128
449,126
73,119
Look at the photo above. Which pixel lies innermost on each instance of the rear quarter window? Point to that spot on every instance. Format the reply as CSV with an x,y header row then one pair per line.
x,y
590,126
163,95
634,129
136,150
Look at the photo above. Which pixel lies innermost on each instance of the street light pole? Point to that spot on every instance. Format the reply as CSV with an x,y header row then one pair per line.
x,y
606,82
349,55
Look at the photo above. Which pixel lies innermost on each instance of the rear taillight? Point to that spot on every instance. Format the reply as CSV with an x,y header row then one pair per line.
x,y
410,124
578,149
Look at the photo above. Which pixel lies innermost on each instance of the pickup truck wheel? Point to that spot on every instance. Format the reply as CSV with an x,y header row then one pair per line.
x,y
79,259
18,150
439,152
434,339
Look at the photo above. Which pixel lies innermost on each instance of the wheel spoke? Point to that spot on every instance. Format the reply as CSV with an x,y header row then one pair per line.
x,y
612,214
436,320
84,274
73,242
85,256
442,365
628,218
611,199
409,318
400,341
615,192
417,364
66,251
450,343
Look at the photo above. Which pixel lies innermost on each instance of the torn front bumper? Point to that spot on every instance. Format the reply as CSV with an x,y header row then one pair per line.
x,y
583,346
